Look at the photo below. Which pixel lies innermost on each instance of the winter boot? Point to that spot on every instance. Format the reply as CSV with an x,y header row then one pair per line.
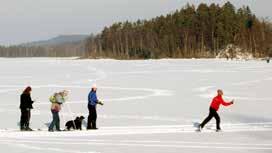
x,y
199,128
218,130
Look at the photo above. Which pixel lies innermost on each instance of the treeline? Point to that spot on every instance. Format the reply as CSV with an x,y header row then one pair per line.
x,y
60,50
188,32
185,33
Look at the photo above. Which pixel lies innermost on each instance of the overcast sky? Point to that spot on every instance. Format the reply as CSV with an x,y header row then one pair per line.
x,y
32,20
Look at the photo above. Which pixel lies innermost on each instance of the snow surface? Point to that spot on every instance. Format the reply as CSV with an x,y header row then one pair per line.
x,y
150,106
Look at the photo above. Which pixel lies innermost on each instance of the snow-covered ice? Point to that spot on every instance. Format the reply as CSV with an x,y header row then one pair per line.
x,y
150,105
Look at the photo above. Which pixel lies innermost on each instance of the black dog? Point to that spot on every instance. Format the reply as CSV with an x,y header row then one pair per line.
x,y
75,124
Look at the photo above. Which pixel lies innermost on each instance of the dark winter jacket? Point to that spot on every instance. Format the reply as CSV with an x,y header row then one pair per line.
x,y
92,98
26,101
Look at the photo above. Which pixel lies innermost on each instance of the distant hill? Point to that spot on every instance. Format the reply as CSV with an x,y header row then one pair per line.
x,y
61,46
59,40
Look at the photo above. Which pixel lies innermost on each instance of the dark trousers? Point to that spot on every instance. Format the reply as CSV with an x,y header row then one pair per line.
x,y
25,118
55,122
213,113
92,117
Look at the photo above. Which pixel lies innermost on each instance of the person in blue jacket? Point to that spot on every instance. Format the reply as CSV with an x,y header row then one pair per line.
x,y
92,102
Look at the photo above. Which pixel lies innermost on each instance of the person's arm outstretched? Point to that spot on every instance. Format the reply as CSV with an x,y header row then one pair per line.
x,y
226,103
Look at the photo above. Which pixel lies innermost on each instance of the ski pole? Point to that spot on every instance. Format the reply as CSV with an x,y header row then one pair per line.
x,y
71,113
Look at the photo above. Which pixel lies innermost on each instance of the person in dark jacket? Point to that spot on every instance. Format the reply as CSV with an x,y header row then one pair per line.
x,y
214,107
26,106
92,102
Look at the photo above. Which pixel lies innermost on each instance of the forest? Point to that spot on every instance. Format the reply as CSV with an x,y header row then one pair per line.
x,y
75,49
186,33
191,32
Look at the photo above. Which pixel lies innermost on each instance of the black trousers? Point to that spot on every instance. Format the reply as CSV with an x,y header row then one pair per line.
x,y
25,118
92,117
212,113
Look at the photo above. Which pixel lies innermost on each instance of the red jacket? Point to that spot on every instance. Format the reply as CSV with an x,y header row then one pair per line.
x,y
217,101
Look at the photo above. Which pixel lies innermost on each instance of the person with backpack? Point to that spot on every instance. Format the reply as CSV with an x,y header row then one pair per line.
x,y
26,106
57,100
215,104
92,102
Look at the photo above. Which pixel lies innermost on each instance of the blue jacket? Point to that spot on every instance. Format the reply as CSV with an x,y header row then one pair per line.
x,y
92,98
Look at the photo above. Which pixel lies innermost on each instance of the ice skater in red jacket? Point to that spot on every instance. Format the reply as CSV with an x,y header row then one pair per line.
x,y
215,104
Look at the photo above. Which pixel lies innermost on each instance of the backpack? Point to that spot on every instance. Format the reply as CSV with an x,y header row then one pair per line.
x,y
52,99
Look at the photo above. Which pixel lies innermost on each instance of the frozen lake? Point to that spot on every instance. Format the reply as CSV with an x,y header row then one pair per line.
x,y
150,106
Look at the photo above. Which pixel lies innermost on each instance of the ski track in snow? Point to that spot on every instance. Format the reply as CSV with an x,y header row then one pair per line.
x,y
132,130
33,140
23,144
208,92
143,143
57,141
153,93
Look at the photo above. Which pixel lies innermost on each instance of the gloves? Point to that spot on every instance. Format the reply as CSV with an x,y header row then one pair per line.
x,y
100,103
